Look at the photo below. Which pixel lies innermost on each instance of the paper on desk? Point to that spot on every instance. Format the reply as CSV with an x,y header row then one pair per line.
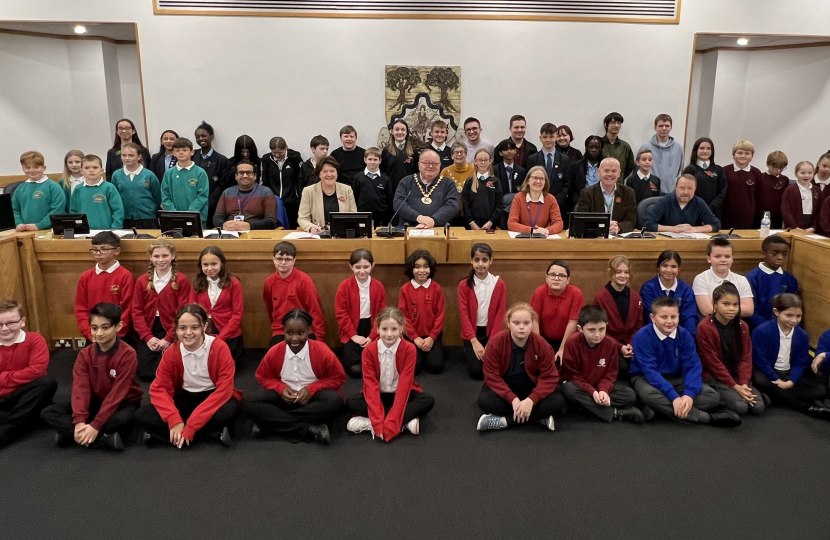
x,y
514,234
696,235
554,237
815,236
421,232
299,235
208,232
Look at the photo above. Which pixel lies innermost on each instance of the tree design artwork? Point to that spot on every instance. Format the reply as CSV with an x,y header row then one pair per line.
x,y
445,79
402,79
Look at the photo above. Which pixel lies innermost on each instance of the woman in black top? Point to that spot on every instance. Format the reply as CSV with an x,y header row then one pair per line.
x,y
124,133
711,180
399,158
158,163
564,136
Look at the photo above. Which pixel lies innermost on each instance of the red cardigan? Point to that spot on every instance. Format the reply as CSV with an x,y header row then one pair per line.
x,y
618,329
324,363
23,363
791,209
539,364
423,310
295,291
169,380
347,306
109,376
592,369
468,309
114,288
389,424
709,348
167,303
227,313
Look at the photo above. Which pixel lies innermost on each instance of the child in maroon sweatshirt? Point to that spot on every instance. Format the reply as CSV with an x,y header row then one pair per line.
x,y
105,393
590,368
25,389
742,181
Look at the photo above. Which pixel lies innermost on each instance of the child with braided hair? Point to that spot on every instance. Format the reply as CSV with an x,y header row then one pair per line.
x,y
158,295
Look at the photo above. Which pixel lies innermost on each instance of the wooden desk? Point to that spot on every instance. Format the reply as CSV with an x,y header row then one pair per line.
x,y
48,269
808,263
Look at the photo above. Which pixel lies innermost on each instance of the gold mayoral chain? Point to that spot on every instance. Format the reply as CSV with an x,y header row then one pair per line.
x,y
426,199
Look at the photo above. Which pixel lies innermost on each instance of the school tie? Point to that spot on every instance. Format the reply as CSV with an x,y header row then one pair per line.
x,y
549,164
482,178
509,170
373,175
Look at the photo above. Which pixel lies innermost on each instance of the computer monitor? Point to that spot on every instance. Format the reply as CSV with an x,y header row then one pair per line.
x,y
589,225
68,225
351,225
180,224
6,212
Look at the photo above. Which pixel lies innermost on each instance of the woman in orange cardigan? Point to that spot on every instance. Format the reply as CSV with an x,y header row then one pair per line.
x,y
193,391
534,208
357,302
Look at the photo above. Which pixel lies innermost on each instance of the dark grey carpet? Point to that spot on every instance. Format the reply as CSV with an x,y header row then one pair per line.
x,y
766,479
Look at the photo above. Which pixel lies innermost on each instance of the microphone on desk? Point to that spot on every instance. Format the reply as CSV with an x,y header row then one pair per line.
x,y
729,234
388,232
135,233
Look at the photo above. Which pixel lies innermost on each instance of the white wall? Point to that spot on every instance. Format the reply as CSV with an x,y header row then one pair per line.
x,y
297,77
129,77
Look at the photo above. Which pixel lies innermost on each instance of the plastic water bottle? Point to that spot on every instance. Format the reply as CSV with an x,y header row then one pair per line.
x,y
765,221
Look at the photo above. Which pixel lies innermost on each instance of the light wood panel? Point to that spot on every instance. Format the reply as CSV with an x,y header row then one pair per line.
x,y
11,282
808,263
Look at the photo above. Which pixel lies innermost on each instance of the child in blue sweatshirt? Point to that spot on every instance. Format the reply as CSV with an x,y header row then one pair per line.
x,y
666,372
781,358
770,278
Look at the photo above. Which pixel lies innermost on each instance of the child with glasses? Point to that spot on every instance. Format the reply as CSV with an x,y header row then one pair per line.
x,y
558,303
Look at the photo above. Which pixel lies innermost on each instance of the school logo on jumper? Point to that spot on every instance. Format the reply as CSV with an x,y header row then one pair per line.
x,y
114,289
602,362
37,195
99,198
112,373
192,182
146,183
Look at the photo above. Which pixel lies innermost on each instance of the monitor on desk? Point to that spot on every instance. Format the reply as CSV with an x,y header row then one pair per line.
x,y
589,225
351,225
6,212
68,225
180,224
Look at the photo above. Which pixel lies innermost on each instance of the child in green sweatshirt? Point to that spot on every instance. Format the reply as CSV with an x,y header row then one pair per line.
x,y
36,199
185,187
96,198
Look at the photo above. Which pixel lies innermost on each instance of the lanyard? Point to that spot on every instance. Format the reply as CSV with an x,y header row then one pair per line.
x,y
247,198
538,213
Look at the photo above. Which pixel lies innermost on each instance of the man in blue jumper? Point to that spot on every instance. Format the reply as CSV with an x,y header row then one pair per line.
x,y
681,211
667,375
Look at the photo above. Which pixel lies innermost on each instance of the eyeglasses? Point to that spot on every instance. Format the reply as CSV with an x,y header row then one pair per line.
x,y
125,129
10,323
95,251
482,161
283,259
245,173
558,277
429,164
459,153
468,130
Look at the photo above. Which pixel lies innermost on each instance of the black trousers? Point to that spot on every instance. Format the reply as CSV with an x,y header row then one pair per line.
x,y
418,404
148,361
273,415
59,417
293,211
800,397
433,361
148,418
621,396
20,410
236,345
475,367
352,352
141,223
492,403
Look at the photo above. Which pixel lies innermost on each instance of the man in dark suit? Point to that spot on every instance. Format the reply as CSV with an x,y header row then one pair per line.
x,y
511,176
554,162
610,197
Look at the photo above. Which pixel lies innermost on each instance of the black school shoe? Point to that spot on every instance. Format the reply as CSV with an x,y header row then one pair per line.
x,y
113,441
318,433
631,414
819,412
724,418
223,436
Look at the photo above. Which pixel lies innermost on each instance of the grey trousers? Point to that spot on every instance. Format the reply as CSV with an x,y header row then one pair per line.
x,y
707,399
733,401
621,396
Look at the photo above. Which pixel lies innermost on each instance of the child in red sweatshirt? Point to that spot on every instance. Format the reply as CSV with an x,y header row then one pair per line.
x,y
105,394
590,368
193,391
220,294
107,283
422,303
157,296
391,400
25,389
287,289
358,300
301,381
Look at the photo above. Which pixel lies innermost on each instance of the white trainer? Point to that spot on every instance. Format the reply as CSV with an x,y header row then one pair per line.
x,y
359,424
547,422
491,421
414,426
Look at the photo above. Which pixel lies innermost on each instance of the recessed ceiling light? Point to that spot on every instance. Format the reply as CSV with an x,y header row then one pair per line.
x,y
743,42
80,29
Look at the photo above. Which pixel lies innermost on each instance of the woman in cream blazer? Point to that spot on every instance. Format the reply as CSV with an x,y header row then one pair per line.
x,y
312,216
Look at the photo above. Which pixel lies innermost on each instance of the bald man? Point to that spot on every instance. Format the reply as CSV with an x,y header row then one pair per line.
x,y
610,197
426,199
